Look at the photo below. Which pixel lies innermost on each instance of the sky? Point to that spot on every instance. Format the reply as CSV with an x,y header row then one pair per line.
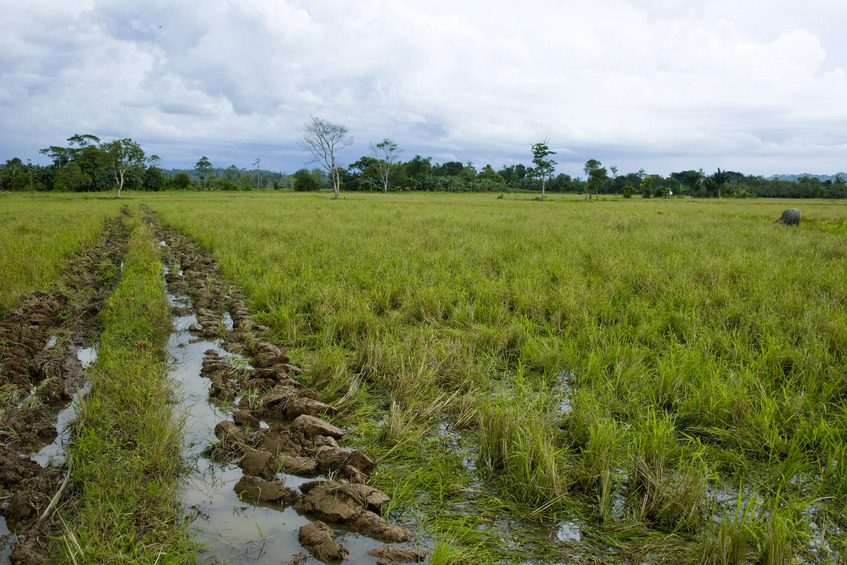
x,y
755,86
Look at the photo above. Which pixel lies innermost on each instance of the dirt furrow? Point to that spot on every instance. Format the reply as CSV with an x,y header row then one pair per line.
x,y
276,426
40,374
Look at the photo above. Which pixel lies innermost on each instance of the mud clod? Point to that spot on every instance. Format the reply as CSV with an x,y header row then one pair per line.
x,y
258,489
350,504
318,538
259,463
388,554
311,427
335,459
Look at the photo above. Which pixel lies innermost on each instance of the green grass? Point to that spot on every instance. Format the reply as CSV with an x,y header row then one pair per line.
x,y
126,449
38,232
701,346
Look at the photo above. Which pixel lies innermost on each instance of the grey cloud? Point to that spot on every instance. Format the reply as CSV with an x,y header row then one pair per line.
x,y
656,80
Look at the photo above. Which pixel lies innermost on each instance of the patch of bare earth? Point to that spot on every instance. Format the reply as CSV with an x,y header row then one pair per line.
x,y
39,375
279,427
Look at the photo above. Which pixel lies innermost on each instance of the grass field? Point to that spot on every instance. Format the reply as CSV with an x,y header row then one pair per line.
x,y
667,374
622,380
37,232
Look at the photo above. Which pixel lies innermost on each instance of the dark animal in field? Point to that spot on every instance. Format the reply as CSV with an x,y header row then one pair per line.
x,y
790,217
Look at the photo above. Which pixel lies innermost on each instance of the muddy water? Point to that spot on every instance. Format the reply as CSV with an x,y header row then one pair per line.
x,y
6,541
228,529
54,453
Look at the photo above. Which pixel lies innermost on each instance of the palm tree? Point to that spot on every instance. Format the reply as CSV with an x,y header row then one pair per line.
x,y
692,180
720,178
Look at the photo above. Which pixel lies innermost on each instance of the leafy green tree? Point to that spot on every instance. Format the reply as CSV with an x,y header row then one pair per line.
x,y
181,181
154,180
544,167
305,181
452,169
488,173
71,178
324,140
205,171
11,170
692,180
123,154
363,175
385,153
418,170
596,176
646,186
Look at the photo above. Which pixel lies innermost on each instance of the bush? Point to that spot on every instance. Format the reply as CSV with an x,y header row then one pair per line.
x,y
181,181
305,181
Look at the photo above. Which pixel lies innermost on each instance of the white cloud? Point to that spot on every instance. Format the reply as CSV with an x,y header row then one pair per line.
x,y
758,83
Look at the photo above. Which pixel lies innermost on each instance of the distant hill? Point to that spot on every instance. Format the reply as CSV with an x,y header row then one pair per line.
x,y
822,178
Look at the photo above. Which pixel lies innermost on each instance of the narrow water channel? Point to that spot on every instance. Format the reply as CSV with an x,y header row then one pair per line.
x,y
228,529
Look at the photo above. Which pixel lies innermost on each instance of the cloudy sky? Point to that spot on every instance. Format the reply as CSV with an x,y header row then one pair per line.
x,y
756,86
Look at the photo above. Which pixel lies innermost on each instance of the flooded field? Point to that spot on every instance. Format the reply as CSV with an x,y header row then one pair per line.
x,y
229,524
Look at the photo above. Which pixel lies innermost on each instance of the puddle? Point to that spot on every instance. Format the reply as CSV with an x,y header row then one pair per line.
x,y
564,378
7,539
569,531
458,443
228,529
227,321
52,341
87,356
54,454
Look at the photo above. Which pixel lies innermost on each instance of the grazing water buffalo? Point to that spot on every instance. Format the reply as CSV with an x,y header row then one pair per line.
x,y
790,217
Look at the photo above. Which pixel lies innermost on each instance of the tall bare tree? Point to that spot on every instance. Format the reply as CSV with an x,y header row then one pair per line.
x,y
323,140
386,153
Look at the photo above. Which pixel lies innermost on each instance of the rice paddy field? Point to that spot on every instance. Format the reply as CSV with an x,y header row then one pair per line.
x,y
612,381
641,379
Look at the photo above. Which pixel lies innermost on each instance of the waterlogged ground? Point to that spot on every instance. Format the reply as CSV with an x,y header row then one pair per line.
x,y
611,400
45,345
230,524
703,347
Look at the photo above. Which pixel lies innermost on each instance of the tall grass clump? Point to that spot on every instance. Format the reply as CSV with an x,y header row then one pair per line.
x,y
518,450
125,456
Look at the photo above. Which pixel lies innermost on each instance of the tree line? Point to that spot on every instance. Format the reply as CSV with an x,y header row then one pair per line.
x,y
86,164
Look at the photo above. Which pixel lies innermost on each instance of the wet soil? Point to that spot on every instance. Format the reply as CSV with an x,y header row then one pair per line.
x,y
43,344
264,438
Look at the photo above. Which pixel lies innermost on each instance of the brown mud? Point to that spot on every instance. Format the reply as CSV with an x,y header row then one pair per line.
x,y
271,432
42,345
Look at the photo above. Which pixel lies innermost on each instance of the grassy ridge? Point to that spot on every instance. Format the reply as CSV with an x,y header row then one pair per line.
x,y
126,448
37,233
624,360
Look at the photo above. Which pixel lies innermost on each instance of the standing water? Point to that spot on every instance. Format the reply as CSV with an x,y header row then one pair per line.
x,y
227,528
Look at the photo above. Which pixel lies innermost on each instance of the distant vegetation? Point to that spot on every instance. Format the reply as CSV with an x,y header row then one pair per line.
x,y
87,165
